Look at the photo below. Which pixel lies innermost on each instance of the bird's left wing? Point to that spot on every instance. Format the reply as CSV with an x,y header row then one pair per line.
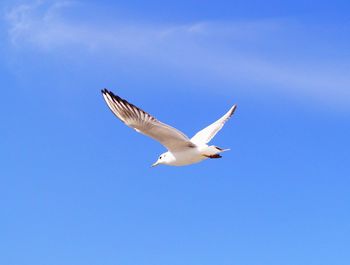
x,y
204,136
144,123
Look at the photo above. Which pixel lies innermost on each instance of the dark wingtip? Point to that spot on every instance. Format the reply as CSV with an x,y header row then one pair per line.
x,y
234,107
114,96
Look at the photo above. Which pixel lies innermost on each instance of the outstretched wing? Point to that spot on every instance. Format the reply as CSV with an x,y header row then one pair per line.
x,y
144,123
204,136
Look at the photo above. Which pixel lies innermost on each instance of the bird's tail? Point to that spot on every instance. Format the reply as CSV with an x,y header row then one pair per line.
x,y
213,151
220,150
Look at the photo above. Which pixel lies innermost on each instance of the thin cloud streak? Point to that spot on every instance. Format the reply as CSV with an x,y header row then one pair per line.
x,y
214,49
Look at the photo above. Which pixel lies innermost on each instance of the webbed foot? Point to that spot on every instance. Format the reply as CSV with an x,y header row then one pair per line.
x,y
213,156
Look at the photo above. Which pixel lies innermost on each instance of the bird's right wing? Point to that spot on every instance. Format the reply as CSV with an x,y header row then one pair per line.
x,y
144,123
204,136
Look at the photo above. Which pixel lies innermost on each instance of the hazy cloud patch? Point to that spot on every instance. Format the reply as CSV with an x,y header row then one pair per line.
x,y
226,50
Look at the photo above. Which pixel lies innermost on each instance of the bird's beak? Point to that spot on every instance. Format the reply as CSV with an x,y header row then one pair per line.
x,y
155,164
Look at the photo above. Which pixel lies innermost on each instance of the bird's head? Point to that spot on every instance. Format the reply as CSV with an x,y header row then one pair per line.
x,y
162,159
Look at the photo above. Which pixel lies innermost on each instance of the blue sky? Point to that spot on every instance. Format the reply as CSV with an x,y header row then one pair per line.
x,y
76,184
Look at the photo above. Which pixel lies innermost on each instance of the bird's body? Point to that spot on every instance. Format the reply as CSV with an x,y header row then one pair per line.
x,y
181,150
192,155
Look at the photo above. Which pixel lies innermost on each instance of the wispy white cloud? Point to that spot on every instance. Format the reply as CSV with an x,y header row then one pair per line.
x,y
223,50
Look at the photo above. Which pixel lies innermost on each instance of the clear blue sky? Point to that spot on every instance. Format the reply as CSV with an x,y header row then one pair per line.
x,y
76,184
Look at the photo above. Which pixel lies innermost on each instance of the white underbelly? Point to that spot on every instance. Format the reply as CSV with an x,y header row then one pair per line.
x,y
187,157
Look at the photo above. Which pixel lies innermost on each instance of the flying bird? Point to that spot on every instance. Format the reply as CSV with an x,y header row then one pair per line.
x,y
181,150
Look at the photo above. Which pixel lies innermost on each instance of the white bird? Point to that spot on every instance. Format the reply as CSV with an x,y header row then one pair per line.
x,y
181,150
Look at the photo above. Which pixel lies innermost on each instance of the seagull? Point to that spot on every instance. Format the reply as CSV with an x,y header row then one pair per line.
x,y
181,150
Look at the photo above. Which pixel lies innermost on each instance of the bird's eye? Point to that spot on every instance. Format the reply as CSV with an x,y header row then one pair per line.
x,y
160,157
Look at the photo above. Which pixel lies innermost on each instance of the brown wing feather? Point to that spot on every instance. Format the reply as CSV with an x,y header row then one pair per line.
x,y
143,122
